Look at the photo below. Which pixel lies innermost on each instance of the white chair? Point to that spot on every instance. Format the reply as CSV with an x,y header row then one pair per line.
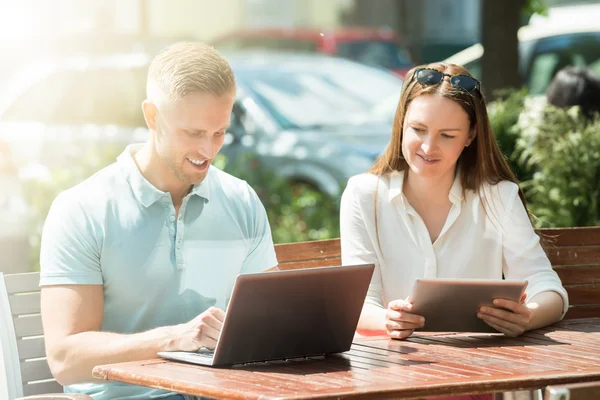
x,y
24,370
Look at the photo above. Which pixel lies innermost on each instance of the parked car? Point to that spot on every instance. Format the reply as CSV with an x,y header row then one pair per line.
x,y
300,114
381,48
544,49
295,113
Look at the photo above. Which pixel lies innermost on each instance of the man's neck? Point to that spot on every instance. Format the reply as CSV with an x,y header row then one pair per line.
x,y
158,174
428,190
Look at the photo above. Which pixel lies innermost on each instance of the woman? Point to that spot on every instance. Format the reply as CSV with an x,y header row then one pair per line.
x,y
442,202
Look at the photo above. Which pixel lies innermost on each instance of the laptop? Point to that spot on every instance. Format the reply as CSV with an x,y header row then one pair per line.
x,y
286,315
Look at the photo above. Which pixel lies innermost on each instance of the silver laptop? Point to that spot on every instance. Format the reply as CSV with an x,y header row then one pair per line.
x,y
287,315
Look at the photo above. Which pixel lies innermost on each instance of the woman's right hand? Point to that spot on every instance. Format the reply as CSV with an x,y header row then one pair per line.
x,y
400,323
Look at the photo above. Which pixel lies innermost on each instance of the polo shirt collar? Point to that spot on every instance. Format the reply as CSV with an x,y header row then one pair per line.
x,y
146,193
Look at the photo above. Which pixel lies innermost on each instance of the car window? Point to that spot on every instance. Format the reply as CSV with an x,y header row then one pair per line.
x,y
595,66
554,53
237,120
331,95
97,96
376,53
525,47
543,68
474,68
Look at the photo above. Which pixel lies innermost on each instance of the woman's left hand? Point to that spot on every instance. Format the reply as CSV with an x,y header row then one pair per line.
x,y
509,317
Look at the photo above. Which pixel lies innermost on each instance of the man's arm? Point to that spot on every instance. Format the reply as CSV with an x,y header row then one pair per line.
x,y
72,318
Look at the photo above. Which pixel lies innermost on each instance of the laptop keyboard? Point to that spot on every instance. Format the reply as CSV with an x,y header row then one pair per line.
x,y
205,353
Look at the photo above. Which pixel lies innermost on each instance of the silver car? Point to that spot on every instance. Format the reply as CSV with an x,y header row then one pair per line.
x,y
301,116
307,116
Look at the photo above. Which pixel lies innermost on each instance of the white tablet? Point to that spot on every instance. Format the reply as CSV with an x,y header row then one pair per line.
x,y
451,305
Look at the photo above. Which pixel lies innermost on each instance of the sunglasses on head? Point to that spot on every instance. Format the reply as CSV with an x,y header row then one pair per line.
x,y
429,76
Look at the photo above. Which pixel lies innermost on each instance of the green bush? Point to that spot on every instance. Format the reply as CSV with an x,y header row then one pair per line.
x,y
504,115
564,151
297,211
556,156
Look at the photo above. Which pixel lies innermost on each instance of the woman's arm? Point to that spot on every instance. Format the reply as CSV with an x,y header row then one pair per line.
x,y
372,320
358,248
546,308
523,259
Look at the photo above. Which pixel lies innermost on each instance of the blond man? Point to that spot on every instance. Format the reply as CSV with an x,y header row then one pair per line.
x,y
142,257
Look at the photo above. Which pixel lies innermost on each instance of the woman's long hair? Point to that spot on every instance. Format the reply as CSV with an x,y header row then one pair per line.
x,y
479,163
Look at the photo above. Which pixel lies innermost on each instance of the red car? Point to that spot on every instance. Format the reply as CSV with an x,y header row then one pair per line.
x,y
376,47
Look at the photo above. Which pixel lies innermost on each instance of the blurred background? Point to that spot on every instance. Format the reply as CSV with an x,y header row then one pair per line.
x,y
319,82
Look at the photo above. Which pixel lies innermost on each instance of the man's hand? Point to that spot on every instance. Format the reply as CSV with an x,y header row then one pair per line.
x,y
400,323
202,331
509,317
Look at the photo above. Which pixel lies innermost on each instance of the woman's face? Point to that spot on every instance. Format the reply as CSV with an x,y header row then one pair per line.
x,y
435,132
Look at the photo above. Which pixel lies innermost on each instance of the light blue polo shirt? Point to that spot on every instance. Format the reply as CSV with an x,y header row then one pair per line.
x,y
116,229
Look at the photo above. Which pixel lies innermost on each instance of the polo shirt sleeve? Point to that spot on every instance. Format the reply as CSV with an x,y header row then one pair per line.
x,y
261,251
70,252
524,258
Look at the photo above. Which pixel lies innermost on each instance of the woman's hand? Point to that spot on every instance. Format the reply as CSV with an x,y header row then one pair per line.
x,y
400,323
509,317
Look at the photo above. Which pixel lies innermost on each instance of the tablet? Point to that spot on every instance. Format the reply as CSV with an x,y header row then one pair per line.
x,y
451,305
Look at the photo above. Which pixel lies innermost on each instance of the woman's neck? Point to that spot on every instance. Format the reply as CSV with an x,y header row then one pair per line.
x,y
427,190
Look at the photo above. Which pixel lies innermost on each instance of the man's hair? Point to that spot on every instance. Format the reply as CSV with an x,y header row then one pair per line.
x,y
188,67
575,86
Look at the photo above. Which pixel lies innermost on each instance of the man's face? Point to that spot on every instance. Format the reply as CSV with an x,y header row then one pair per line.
x,y
190,133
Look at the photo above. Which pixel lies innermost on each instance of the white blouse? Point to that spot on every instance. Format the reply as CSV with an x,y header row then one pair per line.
x,y
480,239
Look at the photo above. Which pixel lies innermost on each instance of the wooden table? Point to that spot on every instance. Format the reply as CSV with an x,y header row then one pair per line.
x,y
425,365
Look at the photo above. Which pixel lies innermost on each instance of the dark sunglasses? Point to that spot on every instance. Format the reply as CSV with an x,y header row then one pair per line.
x,y
428,76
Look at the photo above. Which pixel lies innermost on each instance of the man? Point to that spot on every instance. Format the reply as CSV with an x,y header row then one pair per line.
x,y
142,256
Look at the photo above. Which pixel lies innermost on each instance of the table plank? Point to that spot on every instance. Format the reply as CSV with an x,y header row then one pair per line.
x,y
425,365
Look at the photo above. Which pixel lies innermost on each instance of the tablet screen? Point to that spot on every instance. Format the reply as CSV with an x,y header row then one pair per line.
x,y
451,305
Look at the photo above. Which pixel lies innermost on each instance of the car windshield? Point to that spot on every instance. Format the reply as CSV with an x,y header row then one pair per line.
x,y
332,93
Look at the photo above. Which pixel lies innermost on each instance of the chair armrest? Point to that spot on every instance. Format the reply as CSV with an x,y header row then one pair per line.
x,y
57,396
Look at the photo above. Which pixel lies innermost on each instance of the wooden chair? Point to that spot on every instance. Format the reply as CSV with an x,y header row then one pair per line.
x,y
575,256
576,391
24,370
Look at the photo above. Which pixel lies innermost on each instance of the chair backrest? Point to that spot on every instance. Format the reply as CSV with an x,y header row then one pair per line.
x,y
317,253
573,252
576,391
575,256
21,335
